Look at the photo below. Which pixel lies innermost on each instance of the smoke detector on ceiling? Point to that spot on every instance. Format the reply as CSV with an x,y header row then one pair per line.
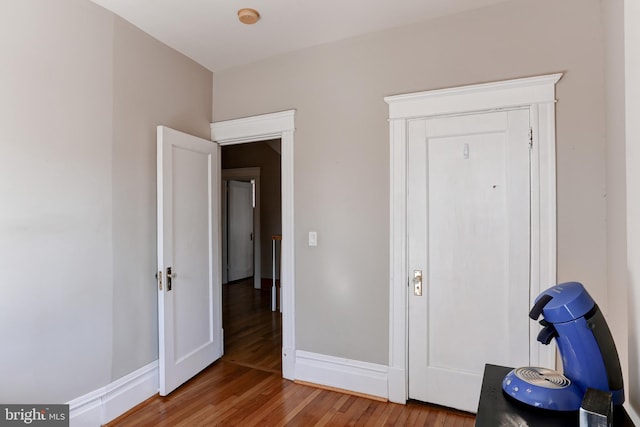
x,y
248,16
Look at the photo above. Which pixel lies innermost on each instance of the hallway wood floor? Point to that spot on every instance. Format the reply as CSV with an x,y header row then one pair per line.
x,y
245,388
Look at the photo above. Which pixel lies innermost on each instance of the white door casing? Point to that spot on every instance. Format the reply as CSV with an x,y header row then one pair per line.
x,y
189,291
262,128
468,236
537,94
240,230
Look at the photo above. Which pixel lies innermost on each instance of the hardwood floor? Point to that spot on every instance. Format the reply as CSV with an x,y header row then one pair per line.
x,y
245,387
252,332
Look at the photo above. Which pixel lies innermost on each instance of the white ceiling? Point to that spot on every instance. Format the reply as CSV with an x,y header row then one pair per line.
x,y
208,31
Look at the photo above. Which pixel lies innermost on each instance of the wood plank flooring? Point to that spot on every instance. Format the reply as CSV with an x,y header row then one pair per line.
x,y
252,332
245,388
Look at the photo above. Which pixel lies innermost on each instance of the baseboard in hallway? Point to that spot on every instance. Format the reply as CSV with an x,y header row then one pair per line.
x,y
246,387
230,394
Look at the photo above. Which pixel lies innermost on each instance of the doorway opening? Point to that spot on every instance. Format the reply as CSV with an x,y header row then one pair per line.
x,y
251,215
266,127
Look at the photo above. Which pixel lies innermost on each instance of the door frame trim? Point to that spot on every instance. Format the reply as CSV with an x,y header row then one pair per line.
x,y
261,128
538,95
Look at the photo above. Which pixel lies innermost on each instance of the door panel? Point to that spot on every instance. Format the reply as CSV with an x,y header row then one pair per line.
x,y
240,230
466,244
189,291
468,225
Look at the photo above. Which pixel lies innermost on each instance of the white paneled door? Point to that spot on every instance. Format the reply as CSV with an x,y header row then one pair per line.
x,y
469,251
240,229
189,290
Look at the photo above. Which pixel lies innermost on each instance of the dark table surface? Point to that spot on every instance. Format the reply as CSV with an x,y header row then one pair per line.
x,y
497,410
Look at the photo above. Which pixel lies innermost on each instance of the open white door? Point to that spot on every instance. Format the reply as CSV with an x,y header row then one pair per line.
x,y
240,230
189,291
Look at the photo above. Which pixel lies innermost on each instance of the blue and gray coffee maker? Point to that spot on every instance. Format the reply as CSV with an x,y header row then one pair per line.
x,y
589,355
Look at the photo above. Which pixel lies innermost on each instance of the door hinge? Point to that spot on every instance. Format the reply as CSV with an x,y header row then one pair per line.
x,y
530,138
159,277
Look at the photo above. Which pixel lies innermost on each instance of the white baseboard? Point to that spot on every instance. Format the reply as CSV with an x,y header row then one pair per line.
x,y
397,385
107,403
289,363
346,374
635,417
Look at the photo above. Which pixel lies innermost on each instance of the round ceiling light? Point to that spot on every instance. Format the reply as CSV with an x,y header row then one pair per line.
x,y
248,16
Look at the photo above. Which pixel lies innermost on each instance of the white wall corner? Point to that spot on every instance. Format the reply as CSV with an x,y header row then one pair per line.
x,y
346,374
107,403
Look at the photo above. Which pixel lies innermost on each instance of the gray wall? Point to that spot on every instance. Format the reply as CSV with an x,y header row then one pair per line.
x,y
82,92
55,236
153,85
261,155
342,154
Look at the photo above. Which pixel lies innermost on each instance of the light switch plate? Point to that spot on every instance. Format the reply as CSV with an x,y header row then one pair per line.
x,y
313,238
